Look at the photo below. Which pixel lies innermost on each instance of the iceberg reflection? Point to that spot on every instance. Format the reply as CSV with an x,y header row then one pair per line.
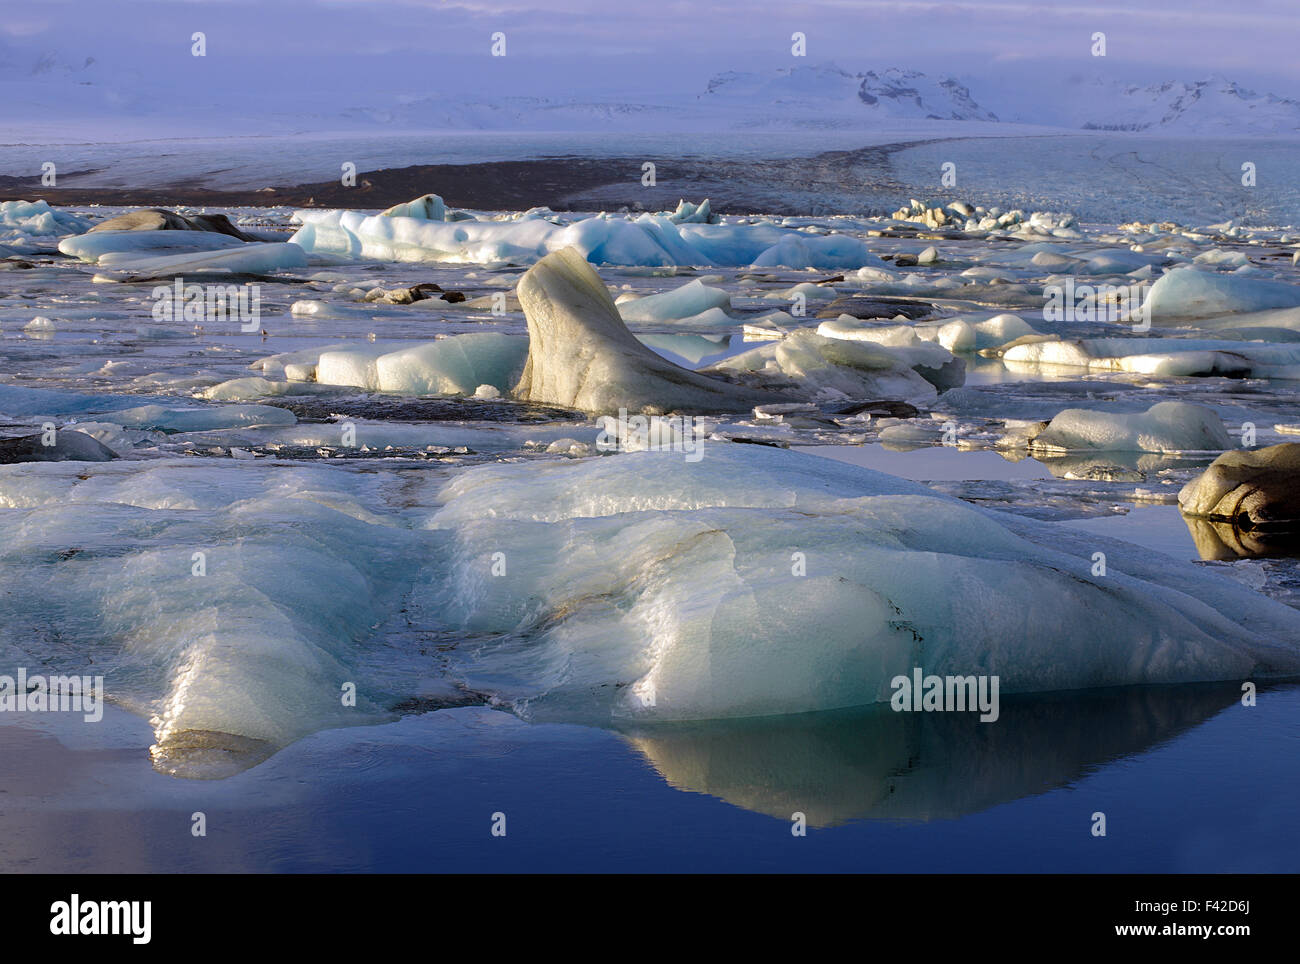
x,y
876,764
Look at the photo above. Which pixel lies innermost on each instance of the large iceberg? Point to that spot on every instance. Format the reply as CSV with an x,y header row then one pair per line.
x,y
581,354
756,582
225,603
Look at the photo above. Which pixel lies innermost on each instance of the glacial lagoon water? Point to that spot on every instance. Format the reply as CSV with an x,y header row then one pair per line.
x,y
318,543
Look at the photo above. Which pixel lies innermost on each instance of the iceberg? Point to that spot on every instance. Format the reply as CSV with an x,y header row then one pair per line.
x,y
38,219
428,207
250,258
160,219
692,298
163,418
457,365
1164,427
69,445
1255,488
1164,357
756,581
649,240
97,244
953,334
582,356
1247,503
811,365
454,365
232,661
1187,293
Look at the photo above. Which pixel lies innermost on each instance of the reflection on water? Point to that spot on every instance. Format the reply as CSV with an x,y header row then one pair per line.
x,y
1219,539
1116,466
877,764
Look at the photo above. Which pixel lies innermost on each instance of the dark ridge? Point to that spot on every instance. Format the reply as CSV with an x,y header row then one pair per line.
x,y
384,408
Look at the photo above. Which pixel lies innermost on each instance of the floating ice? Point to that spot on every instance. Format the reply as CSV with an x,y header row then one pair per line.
x,y
249,258
428,207
91,247
759,582
1263,486
68,445
240,659
37,218
692,298
954,334
651,240
688,212
1164,427
581,354
821,367
459,364
1190,293
165,419
1166,357
1247,503
160,219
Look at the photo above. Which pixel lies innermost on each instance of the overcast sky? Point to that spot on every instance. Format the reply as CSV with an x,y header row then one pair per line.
x,y
616,47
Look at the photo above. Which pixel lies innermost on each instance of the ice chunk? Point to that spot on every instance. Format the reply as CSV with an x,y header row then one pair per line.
x,y
829,251
456,365
164,419
428,207
160,219
1247,503
1167,357
581,355
692,298
698,213
68,445
37,218
954,334
648,240
95,245
816,366
297,575
1189,293
646,586
249,258
1164,427
1259,487
355,366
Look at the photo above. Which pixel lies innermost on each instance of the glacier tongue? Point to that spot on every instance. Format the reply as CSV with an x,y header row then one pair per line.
x,y
646,586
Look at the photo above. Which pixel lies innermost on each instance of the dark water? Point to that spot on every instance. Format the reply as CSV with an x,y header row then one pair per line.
x,y
1189,780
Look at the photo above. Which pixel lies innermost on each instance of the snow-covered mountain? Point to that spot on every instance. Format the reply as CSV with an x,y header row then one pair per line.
x,y
68,96
1207,107
829,91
